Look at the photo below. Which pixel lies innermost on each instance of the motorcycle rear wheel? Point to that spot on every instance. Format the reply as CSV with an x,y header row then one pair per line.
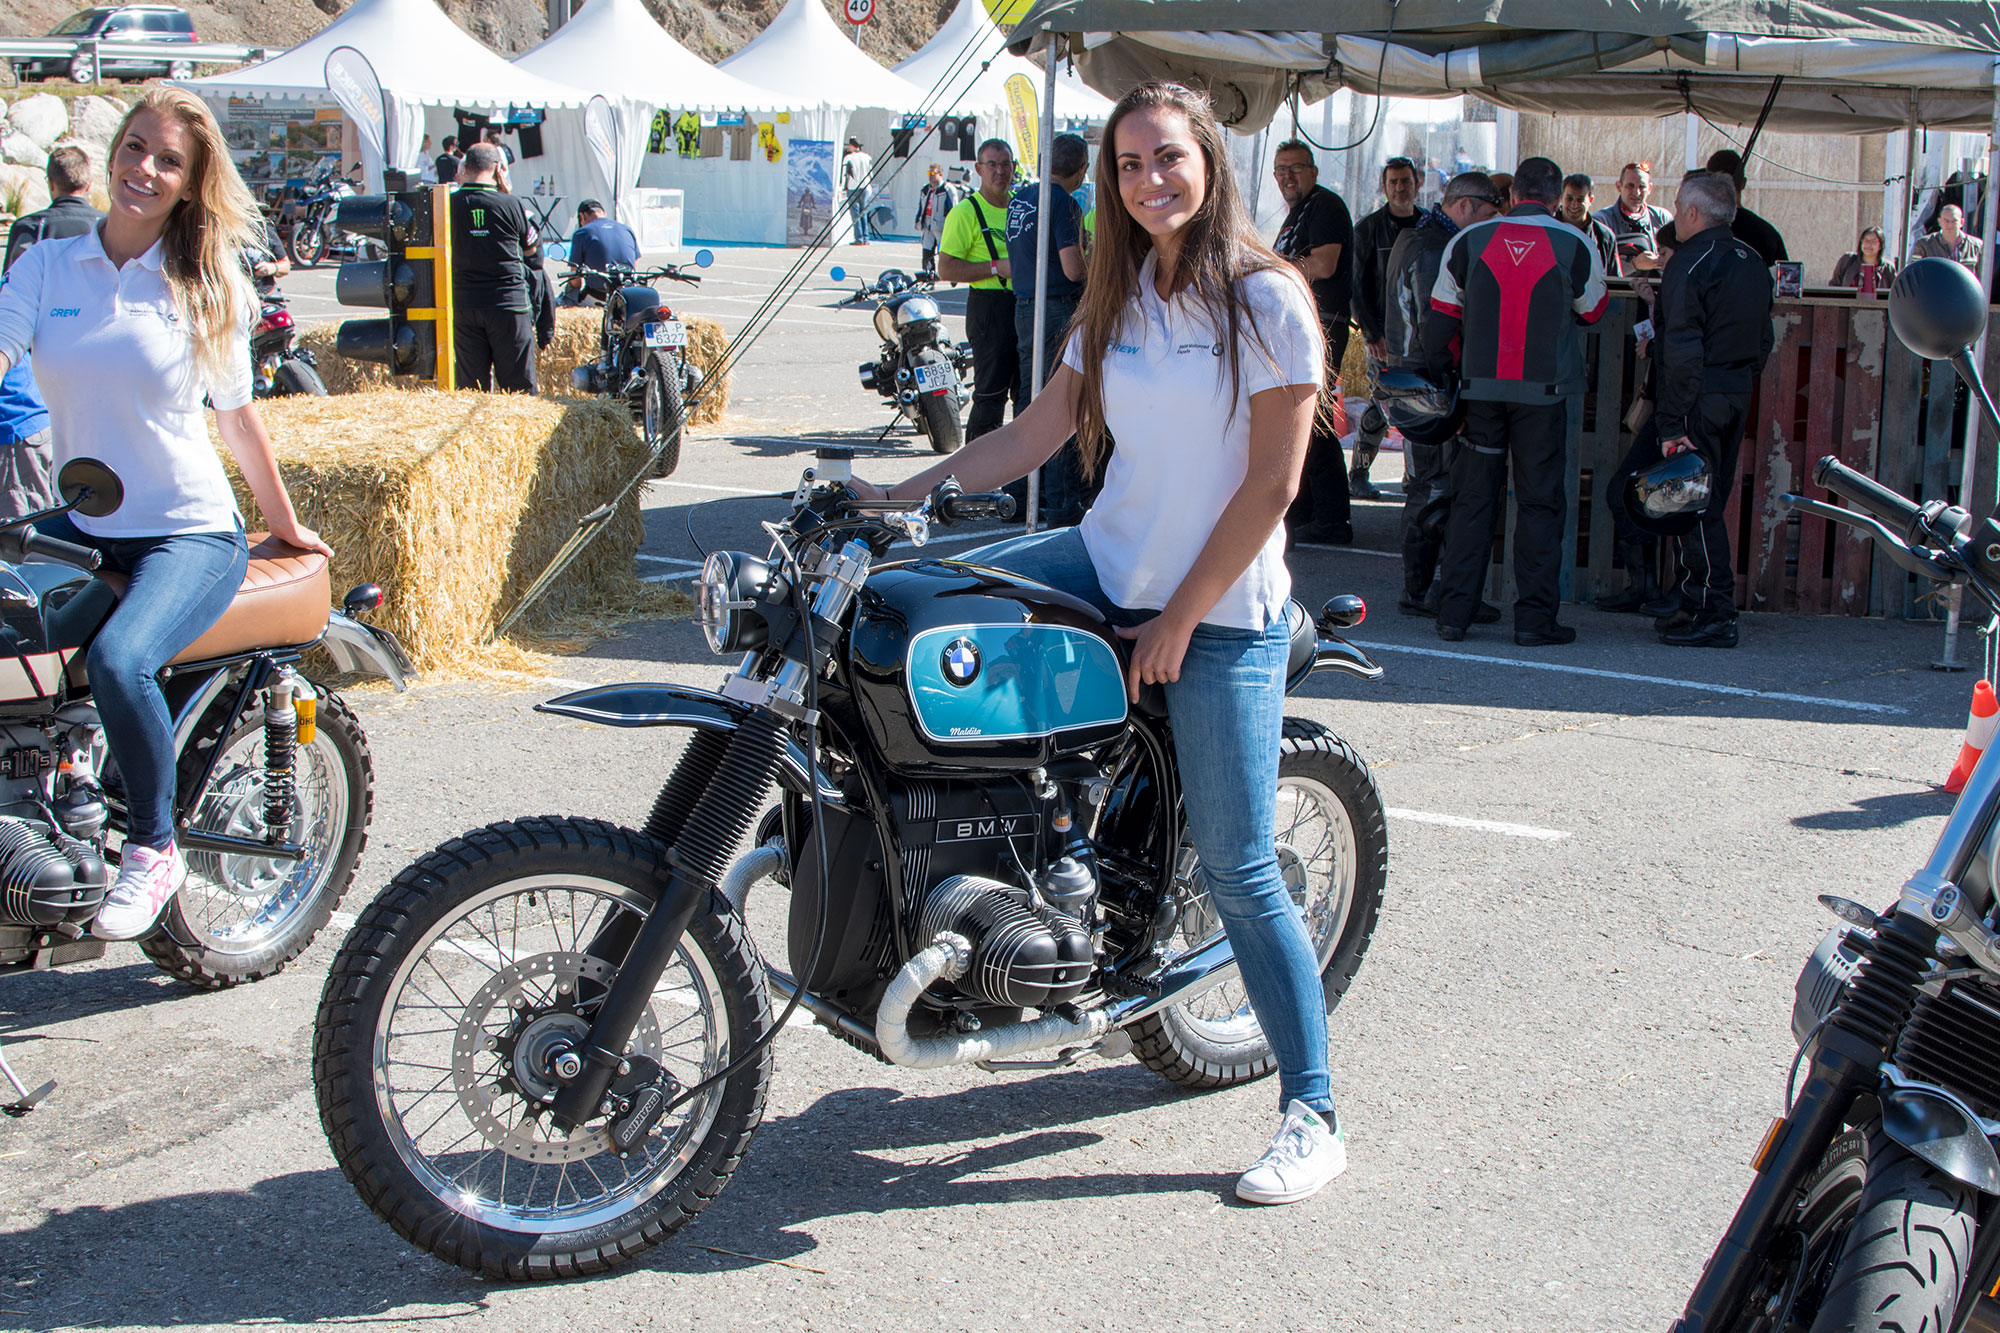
x,y
663,417
1333,847
295,377
242,918
422,1052
310,239
940,411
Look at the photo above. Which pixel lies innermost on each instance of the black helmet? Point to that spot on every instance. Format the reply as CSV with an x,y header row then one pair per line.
x,y
1669,498
1423,412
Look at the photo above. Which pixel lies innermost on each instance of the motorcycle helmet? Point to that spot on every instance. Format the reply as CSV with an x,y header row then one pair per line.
x,y
1423,412
1669,498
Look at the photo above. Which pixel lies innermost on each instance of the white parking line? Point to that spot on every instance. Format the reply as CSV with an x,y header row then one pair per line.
x,y
728,490
1735,691
1348,550
1480,825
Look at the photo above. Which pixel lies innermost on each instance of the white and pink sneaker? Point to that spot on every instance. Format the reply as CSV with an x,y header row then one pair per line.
x,y
147,882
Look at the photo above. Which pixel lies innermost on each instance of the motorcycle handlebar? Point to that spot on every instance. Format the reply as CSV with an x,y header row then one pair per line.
x,y
955,506
1899,514
53,548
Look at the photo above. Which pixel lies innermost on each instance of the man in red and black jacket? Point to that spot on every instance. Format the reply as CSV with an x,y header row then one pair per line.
x,y
1510,297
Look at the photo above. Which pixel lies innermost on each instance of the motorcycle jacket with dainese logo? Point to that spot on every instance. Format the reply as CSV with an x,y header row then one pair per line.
x,y
1511,294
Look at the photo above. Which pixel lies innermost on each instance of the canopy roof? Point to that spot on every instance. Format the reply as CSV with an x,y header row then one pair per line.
x,y
615,47
1849,66
418,53
804,58
950,61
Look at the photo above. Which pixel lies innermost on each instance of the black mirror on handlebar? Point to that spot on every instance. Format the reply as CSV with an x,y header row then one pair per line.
x,y
1939,312
90,488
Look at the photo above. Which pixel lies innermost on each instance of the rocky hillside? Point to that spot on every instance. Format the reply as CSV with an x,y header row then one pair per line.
x,y
711,28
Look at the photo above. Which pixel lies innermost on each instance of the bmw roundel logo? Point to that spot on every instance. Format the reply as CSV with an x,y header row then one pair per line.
x,y
961,662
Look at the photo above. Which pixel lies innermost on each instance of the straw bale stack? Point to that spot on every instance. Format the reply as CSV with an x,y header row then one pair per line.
x,y
575,343
454,503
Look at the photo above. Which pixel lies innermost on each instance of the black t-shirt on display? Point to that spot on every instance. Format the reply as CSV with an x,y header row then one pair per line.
x,y
489,232
1322,219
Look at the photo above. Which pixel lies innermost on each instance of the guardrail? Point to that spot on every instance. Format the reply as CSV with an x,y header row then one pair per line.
x,y
70,48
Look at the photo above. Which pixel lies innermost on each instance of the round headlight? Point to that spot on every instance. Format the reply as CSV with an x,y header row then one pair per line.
x,y
725,604
885,323
914,309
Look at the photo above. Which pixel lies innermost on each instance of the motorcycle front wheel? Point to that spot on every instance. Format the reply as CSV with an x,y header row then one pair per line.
x,y
310,238
295,377
241,918
432,1050
1333,850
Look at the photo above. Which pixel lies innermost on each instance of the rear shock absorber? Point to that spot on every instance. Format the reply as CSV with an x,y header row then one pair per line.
x,y
281,735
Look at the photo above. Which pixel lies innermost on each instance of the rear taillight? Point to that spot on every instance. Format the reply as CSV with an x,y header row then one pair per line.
x,y
277,319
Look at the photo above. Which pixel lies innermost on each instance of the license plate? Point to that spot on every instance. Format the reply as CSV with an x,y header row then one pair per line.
x,y
933,378
672,333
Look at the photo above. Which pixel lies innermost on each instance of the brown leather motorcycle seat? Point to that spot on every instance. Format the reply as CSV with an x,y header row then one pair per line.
x,y
284,602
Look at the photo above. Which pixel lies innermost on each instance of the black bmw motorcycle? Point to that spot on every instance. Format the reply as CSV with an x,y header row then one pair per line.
x,y
642,354
544,1048
1876,1205
919,371
275,786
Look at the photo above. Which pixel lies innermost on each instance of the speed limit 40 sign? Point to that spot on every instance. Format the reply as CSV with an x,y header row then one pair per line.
x,y
860,11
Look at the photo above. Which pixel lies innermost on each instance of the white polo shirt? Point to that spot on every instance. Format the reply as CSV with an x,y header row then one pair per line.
x,y
1183,441
117,369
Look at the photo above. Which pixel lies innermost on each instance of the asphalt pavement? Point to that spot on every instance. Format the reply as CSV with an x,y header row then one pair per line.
x,y
1565,1042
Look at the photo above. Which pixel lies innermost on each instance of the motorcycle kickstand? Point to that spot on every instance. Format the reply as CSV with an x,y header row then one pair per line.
x,y
26,1101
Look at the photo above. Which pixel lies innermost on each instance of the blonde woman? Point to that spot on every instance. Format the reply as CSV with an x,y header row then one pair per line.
x,y
132,324
1200,350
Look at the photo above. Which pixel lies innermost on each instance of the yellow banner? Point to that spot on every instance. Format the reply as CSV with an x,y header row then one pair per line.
x,y
1007,13
1026,114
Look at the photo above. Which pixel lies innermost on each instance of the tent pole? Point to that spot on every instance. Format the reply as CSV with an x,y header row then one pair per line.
x,y
1042,229
1969,442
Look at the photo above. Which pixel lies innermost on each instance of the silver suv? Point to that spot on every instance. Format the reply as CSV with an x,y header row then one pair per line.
x,y
122,23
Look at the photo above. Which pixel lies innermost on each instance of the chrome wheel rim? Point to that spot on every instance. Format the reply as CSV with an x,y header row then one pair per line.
x,y
237,903
454,1078
1317,855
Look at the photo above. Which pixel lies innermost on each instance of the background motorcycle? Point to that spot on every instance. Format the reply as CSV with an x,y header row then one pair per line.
x,y
642,354
275,785
280,365
1876,1205
315,214
544,1047
919,371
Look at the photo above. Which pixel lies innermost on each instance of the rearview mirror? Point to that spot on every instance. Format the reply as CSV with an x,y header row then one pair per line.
x,y
90,487
837,273
1939,311
703,258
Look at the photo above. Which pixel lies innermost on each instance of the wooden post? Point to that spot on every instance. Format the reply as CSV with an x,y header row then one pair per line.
x,y
441,284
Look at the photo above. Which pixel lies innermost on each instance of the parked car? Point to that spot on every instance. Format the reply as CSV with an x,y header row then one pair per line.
x,y
120,23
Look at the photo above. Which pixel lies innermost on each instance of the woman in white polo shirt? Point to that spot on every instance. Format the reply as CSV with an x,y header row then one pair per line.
x,y
132,325
1199,349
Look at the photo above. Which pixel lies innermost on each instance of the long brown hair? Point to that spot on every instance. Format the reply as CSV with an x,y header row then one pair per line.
x,y
1219,247
206,233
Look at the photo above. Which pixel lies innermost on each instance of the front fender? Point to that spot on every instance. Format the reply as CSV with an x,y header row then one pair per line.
x,y
1943,1131
658,704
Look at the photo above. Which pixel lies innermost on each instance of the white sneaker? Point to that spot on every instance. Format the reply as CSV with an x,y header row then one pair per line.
x,y
147,882
1303,1156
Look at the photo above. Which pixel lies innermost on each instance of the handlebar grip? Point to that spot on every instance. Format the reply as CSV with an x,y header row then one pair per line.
x,y
84,557
955,507
1897,513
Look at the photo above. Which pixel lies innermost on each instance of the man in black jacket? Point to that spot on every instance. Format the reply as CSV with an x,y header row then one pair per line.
x,y
1713,336
1510,295
1469,199
1318,237
1374,237
493,315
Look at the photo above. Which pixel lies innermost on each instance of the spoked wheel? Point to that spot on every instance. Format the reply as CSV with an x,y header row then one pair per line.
x,y
1333,850
239,917
663,419
310,238
446,1020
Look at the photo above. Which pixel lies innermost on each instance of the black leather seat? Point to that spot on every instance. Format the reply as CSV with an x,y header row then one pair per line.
x,y
1298,664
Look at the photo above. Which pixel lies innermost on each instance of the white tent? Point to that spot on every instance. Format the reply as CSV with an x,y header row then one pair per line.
x,y
805,58
616,47
427,66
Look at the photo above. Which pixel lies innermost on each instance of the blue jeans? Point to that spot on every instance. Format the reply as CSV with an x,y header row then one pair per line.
x,y
1227,711
179,587
857,210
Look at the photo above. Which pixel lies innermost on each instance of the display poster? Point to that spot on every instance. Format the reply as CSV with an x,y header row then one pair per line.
x,y
808,189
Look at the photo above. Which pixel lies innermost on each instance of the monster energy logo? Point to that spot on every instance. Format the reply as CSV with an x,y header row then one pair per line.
x,y
479,217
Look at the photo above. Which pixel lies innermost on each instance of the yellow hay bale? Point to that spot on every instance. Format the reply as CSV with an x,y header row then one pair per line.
x,y
454,503
575,344
1354,367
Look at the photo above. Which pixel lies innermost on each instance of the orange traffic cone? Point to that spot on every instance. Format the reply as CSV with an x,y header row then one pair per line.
x,y
1979,730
